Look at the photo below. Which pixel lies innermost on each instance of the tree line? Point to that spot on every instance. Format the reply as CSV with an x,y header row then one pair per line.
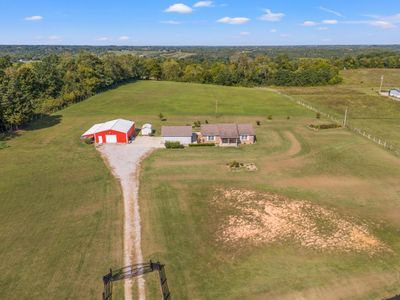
x,y
35,88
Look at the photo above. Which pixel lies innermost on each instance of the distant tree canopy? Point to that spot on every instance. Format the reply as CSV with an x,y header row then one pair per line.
x,y
57,80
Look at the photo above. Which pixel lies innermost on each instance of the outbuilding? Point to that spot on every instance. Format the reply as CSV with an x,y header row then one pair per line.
x,y
395,93
147,130
182,134
111,132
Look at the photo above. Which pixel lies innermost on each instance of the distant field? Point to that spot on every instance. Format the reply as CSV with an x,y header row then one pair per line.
x,y
62,217
378,115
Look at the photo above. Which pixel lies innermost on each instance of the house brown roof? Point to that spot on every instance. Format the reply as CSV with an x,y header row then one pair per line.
x,y
178,131
227,130
246,129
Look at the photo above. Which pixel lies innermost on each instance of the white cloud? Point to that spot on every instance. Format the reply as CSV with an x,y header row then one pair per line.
x,y
244,33
331,11
171,22
102,39
383,24
330,22
204,4
273,30
124,38
284,35
271,16
309,23
179,8
322,28
55,38
234,21
34,18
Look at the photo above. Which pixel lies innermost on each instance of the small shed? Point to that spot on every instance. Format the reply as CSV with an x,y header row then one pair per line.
x,y
147,129
182,134
394,93
111,132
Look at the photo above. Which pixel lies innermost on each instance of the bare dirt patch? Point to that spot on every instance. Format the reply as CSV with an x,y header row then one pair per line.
x,y
261,218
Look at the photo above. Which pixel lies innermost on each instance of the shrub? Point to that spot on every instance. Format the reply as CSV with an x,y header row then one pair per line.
x,y
318,115
88,141
161,116
206,121
196,124
325,126
235,164
288,118
258,123
202,145
174,145
3,145
269,117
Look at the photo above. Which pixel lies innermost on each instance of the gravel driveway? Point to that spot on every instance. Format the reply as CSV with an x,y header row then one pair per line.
x,y
124,161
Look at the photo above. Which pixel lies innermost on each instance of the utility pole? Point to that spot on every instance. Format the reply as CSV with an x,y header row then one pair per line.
x,y
345,118
380,89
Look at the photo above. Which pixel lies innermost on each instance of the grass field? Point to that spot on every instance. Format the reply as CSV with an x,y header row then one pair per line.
x,y
378,115
60,207
62,210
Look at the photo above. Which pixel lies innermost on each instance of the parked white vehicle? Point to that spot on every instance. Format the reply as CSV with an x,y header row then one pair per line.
x,y
147,129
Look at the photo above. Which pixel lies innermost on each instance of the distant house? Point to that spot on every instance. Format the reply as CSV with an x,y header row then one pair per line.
x,y
182,134
227,134
394,93
111,132
147,129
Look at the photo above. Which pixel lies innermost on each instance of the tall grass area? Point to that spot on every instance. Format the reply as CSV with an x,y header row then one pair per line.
x,y
378,115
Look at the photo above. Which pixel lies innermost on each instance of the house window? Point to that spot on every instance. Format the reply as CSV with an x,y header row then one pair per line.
x,y
225,141
244,137
211,138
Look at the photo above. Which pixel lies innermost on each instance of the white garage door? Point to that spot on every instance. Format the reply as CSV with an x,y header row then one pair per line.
x,y
111,139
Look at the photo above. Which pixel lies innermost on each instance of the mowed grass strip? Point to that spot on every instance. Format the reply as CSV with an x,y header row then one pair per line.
x,y
61,208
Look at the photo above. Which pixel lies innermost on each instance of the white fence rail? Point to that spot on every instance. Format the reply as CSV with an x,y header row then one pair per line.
x,y
377,140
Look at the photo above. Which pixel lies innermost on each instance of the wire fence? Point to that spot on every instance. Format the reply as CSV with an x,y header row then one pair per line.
x,y
375,139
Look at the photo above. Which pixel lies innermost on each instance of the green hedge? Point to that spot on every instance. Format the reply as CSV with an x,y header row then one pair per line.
x,y
174,145
202,145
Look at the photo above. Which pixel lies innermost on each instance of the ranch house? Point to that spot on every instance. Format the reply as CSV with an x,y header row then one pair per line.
x,y
227,134
111,132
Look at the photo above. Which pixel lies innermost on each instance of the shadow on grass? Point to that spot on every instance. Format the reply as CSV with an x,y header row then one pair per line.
x,y
44,121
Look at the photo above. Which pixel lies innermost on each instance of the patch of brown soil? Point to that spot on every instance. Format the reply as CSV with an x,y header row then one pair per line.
x,y
268,218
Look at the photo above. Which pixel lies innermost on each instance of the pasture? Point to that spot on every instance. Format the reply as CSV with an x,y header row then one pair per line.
x,y
62,209
368,110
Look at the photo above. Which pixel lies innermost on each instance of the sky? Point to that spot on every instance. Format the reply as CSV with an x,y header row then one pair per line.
x,y
213,23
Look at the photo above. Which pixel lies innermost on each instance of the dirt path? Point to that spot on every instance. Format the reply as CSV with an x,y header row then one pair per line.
x,y
124,161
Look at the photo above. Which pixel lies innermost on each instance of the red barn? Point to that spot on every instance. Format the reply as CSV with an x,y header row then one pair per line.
x,y
111,132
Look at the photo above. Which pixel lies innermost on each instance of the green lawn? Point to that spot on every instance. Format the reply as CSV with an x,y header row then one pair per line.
x,y
378,115
61,209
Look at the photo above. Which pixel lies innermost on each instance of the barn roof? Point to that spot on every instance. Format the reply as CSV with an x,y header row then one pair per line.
x,y
92,130
178,131
120,125
117,125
